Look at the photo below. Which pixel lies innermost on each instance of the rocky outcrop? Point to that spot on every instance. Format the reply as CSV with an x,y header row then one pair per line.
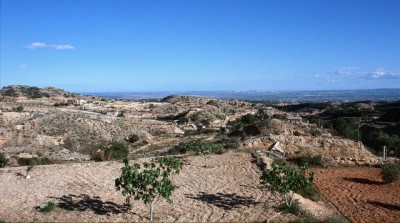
x,y
332,149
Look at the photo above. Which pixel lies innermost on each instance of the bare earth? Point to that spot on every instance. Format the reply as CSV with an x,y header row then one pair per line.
x,y
226,191
359,194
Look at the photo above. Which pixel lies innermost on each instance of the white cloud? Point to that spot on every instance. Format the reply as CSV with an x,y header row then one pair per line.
x,y
357,72
38,45
346,70
382,74
63,47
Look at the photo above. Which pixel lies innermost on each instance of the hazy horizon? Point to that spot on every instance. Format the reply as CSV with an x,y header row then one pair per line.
x,y
299,96
211,45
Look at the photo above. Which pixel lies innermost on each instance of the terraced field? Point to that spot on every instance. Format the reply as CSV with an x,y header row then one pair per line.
x,y
225,191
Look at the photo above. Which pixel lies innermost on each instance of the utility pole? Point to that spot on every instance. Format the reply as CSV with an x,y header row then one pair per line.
x,y
358,134
384,153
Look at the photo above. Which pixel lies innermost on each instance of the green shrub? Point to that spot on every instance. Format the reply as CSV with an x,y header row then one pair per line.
x,y
311,193
390,172
279,116
19,108
248,119
205,122
178,149
294,208
47,207
97,155
232,144
315,132
296,133
10,92
116,150
309,160
3,159
251,130
35,161
133,138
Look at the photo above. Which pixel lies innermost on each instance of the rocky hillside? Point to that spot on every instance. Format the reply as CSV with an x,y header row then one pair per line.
x,y
65,126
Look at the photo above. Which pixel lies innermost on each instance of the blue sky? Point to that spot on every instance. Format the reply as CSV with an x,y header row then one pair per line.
x,y
199,45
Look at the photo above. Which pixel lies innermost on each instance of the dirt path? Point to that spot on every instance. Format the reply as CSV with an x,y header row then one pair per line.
x,y
359,194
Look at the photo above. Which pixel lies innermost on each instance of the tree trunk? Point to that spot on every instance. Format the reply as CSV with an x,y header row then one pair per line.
x,y
291,198
151,210
286,200
206,161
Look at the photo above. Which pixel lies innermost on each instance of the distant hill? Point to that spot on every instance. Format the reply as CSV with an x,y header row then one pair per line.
x,y
33,92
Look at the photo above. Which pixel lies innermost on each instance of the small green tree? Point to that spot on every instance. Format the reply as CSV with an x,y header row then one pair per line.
x,y
285,180
345,127
204,148
148,182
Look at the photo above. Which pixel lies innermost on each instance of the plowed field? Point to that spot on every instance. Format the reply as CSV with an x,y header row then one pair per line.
x,y
360,194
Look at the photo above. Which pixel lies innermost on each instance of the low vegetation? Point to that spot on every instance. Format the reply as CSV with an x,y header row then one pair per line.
x,y
375,124
47,207
19,108
345,127
3,160
294,208
315,161
34,161
376,139
310,192
116,150
132,138
247,125
390,172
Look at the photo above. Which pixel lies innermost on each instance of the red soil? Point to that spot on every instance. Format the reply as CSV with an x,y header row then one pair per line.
x,y
360,194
